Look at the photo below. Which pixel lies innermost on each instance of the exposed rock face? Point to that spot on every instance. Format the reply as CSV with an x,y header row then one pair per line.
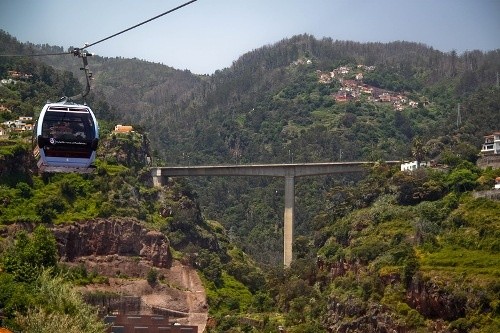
x,y
355,316
433,302
104,237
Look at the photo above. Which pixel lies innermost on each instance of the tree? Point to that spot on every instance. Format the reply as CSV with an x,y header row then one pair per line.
x,y
211,266
418,150
30,254
462,180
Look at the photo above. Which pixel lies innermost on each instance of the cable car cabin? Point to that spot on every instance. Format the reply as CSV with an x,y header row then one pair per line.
x,y
66,137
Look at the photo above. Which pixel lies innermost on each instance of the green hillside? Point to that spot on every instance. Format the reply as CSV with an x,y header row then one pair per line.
x,y
408,252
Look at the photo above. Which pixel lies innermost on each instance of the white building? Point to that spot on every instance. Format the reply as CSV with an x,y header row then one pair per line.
x,y
411,166
491,144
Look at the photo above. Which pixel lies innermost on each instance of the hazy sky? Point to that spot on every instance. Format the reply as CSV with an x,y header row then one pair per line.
x,y
208,35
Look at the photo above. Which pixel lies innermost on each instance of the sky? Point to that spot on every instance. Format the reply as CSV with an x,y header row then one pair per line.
x,y
209,35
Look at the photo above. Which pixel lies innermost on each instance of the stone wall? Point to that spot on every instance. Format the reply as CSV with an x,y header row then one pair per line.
x,y
489,161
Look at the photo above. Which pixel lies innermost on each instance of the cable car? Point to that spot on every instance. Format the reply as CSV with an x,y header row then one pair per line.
x,y
66,136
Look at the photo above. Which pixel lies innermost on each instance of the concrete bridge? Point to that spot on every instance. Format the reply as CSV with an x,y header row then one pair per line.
x,y
288,171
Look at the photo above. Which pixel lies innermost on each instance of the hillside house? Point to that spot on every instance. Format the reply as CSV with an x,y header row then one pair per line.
x,y
28,127
366,68
402,99
412,166
352,84
325,78
19,125
8,81
384,97
344,70
19,75
341,96
365,89
23,128
491,144
123,129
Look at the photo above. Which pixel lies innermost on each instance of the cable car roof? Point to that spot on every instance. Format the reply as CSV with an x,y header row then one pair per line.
x,y
69,108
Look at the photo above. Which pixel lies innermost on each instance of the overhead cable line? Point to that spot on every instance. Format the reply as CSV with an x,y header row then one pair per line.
x,y
137,25
77,51
35,55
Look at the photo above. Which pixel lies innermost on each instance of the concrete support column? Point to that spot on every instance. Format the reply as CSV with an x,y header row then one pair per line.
x,y
157,177
288,220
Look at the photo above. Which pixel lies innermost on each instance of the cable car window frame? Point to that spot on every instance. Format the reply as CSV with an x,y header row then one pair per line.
x,y
56,119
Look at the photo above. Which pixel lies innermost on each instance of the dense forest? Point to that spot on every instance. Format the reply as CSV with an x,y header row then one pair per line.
x,y
391,250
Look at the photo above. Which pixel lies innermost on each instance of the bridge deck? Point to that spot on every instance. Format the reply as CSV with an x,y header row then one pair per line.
x,y
273,170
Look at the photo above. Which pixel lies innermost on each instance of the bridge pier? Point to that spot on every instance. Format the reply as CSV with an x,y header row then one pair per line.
x,y
157,178
288,220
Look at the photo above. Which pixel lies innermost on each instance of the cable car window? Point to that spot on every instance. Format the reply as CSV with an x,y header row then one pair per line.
x,y
68,126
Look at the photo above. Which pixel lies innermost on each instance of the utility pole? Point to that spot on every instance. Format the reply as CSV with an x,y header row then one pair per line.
x,y
459,116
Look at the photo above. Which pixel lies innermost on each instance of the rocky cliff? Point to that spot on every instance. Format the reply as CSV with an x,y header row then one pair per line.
x,y
433,302
112,237
124,250
423,301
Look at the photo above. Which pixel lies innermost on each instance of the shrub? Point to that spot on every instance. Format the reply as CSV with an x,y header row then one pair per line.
x,y
59,308
152,276
49,207
25,190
